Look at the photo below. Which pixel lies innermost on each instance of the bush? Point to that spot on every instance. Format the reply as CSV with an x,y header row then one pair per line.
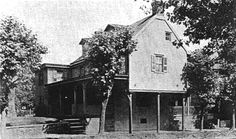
x,y
207,124
57,128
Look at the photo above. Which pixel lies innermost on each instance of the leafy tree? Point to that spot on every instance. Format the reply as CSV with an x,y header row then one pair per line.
x,y
202,81
105,56
213,21
20,54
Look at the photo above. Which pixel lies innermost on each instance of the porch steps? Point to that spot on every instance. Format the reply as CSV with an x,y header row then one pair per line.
x,y
77,125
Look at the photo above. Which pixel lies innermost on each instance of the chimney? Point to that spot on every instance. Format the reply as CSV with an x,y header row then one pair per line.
x,y
157,7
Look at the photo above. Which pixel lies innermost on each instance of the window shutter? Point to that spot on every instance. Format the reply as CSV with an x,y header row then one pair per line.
x,y
153,69
164,64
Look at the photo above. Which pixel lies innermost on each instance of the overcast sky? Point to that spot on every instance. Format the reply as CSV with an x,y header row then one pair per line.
x,y
60,24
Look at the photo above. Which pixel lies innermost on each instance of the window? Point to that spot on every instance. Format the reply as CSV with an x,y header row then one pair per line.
x,y
168,36
57,75
158,63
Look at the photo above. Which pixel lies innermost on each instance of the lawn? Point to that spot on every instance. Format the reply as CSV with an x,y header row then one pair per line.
x,y
35,132
31,128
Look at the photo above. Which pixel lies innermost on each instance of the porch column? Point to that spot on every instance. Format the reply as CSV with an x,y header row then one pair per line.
x,y
188,104
84,97
183,112
130,113
158,112
60,103
75,100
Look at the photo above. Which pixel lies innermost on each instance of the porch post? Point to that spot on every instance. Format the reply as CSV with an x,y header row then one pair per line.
x,y
60,103
130,113
188,104
158,112
75,100
84,97
183,112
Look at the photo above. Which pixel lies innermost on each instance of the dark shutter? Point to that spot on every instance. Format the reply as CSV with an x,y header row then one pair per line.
x,y
164,64
153,68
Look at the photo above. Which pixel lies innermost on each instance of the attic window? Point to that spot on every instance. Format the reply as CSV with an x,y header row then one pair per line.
x,y
168,35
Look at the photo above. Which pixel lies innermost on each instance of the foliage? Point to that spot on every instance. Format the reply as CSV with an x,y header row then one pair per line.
x,y
105,56
207,124
213,21
202,81
24,101
200,77
106,53
20,55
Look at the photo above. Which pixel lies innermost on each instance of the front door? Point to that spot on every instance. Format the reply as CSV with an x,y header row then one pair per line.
x,y
67,103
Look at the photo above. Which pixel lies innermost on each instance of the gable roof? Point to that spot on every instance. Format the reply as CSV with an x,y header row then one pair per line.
x,y
136,27
143,23
83,41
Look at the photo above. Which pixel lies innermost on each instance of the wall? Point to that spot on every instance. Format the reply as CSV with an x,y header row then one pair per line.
x,y
151,41
121,114
80,70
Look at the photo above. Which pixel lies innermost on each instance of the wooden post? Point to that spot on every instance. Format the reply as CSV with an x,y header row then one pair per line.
x,y
188,106
75,100
183,112
158,112
84,97
130,114
60,101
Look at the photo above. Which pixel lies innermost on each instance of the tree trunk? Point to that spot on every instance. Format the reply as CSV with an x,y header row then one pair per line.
x,y
3,115
233,116
202,119
103,116
11,103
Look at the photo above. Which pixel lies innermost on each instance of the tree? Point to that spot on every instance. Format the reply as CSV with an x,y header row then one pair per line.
x,y
213,21
201,81
105,56
20,54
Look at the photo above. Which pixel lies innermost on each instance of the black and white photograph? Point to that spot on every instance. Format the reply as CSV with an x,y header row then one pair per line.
x,y
117,69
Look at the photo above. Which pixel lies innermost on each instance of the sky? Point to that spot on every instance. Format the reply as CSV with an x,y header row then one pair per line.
x,y
60,24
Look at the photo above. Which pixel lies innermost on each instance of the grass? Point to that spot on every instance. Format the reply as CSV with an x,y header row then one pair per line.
x,y
36,133
31,128
19,121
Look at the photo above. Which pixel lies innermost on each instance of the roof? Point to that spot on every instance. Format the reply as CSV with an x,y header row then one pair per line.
x,y
83,41
136,27
113,26
78,60
50,65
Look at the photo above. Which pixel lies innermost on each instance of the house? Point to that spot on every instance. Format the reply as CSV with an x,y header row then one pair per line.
x,y
148,92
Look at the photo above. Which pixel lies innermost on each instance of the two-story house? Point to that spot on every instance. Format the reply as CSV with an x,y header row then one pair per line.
x,y
151,75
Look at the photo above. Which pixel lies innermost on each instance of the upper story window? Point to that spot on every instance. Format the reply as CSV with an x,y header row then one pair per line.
x,y
168,35
58,75
158,63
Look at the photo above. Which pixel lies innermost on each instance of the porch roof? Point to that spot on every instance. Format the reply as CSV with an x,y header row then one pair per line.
x,y
79,79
